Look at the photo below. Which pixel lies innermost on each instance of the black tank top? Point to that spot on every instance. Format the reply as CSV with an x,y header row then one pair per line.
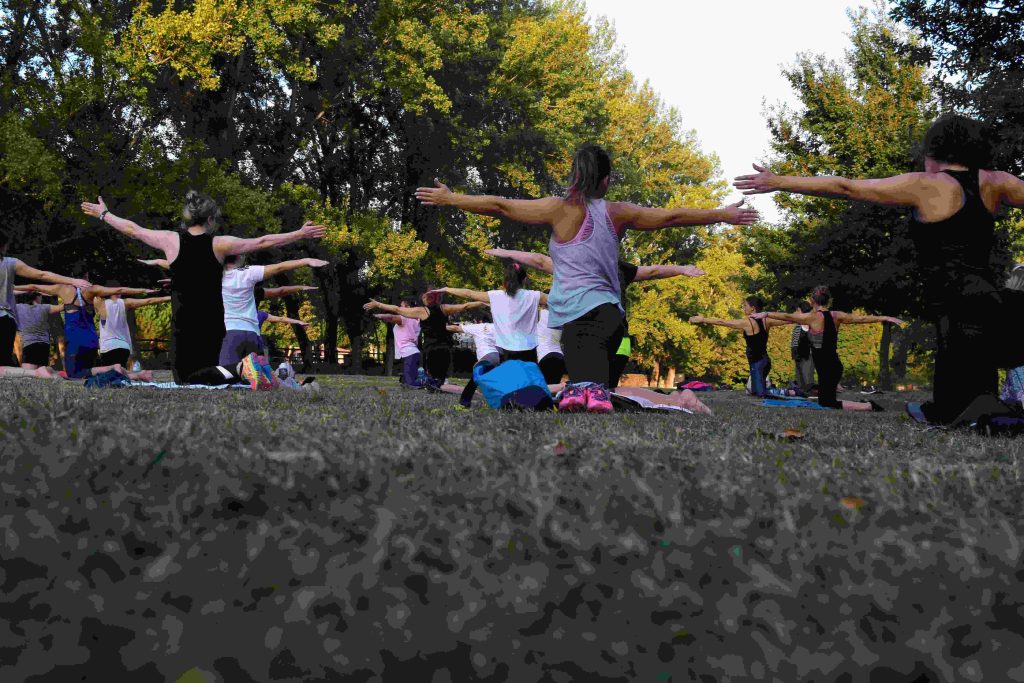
x,y
955,255
757,344
196,275
435,329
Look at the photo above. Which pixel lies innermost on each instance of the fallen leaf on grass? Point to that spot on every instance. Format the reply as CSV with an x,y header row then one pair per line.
x,y
852,502
784,435
559,448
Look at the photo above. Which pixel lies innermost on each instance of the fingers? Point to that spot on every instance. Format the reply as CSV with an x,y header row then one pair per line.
x,y
759,169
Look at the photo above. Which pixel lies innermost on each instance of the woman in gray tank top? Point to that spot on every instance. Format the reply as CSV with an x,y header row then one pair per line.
x,y
34,327
585,233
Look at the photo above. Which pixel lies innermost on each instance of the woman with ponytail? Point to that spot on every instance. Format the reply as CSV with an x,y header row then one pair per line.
x,y
585,301
953,204
196,261
513,310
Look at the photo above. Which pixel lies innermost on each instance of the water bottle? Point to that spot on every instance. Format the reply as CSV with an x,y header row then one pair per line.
x,y
136,366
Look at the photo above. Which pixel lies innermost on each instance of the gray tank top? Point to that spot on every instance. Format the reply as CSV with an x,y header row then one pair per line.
x,y
7,303
34,323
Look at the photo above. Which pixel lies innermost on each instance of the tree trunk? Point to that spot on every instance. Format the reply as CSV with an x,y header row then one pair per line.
x,y
901,349
670,378
884,370
291,306
656,373
389,354
330,339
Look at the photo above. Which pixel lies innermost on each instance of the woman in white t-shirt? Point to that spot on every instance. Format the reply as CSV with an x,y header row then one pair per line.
x,y
487,353
241,320
514,312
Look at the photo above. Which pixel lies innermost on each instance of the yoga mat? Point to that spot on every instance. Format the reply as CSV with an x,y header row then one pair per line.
x,y
791,403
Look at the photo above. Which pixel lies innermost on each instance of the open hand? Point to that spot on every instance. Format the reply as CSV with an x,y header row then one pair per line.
x,y
94,210
894,321
737,214
696,319
756,183
371,304
316,263
442,290
692,271
312,231
81,284
308,288
439,195
758,316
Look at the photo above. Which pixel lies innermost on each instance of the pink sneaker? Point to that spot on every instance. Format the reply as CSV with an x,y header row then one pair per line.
x,y
598,400
574,399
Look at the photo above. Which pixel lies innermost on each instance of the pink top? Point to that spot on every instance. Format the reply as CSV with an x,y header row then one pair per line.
x,y
406,335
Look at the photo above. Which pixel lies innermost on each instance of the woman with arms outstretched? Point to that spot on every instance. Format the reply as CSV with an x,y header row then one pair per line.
x,y
115,337
755,335
437,340
953,205
584,301
196,262
823,330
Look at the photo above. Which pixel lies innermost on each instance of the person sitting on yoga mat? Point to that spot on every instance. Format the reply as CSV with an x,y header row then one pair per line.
x,y
824,333
406,332
953,206
34,326
488,355
755,334
628,274
800,349
513,310
82,343
437,340
115,337
196,259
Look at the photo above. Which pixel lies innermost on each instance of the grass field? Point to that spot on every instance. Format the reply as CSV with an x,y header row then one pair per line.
x,y
367,533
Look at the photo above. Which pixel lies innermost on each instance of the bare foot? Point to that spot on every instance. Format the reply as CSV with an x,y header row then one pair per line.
x,y
141,376
689,400
45,373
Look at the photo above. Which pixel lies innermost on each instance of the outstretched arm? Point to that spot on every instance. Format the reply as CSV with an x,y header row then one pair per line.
x,y
139,303
454,328
416,313
455,309
49,290
661,272
224,245
530,211
285,266
278,292
389,318
105,292
165,240
530,259
631,216
26,271
906,189
851,319
463,293
741,325
290,321
797,318
158,262
1012,189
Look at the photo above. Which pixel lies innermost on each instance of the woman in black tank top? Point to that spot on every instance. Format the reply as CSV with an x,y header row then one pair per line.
x,y
755,334
824,336
954,203
196,262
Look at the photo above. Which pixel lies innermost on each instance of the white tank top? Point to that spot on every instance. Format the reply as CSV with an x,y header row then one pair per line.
x,y
515,319
114,332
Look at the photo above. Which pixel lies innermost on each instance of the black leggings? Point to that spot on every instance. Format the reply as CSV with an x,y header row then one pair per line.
x,y
830,371
436,362
213,376
8,330
529,355
590,343
553,367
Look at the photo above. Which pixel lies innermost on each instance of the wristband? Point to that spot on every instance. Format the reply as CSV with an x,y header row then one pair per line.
x,y
103,215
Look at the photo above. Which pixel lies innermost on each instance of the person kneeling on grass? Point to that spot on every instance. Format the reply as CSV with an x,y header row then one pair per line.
x,y
823,327
488,355
437,340
755,334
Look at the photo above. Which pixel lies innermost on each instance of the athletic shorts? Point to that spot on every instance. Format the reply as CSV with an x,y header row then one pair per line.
x,y
114,357
237,345
36,354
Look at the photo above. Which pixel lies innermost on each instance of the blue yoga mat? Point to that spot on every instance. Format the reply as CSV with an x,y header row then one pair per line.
x,y
791,403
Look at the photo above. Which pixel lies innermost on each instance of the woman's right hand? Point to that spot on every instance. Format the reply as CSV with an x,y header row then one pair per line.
x,y
94,210
696,319
371,305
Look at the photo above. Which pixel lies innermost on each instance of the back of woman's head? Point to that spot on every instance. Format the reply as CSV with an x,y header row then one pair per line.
x,y
755,302
591,165
956,139
515,276
408,301
804,306
821,296
200,209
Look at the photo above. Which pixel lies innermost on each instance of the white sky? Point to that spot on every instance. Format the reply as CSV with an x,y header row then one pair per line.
x,y
717,62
